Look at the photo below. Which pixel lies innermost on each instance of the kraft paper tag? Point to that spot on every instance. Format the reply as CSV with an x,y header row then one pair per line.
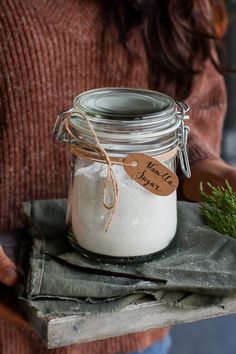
x,y
151,174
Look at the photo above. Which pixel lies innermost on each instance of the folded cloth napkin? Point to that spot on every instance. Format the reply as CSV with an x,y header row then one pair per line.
x,y
199,267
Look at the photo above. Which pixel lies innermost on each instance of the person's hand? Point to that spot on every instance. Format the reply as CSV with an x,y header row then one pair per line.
x,y
8,271
215,172
8,306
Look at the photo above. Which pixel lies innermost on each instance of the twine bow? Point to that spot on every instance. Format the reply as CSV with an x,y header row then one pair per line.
x,y
84,150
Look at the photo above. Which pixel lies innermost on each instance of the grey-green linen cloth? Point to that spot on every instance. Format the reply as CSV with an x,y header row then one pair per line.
x,y
199,267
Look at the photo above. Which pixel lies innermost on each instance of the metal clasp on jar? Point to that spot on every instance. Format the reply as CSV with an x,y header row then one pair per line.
x,y
59,131
183,138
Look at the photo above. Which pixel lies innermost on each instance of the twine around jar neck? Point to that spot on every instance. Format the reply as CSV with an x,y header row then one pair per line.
x,y
95,152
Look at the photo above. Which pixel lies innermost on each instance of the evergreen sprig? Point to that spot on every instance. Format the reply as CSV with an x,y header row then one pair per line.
x,y
219,209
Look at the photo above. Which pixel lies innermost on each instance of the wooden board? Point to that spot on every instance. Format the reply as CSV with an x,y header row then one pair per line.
x,y
62,331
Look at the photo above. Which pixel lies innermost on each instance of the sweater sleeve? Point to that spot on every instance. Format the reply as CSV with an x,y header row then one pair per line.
x,y
207,111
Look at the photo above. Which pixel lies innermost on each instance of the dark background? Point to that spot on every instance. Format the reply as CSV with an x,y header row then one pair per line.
x,y
216,336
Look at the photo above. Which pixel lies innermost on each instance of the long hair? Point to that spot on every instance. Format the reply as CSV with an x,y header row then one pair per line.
x,y
179,37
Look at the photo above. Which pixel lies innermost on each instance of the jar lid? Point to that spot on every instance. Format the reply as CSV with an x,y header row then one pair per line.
x,y
127,121
124,103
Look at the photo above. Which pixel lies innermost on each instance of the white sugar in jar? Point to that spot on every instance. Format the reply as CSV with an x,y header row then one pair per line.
x,y
125,121
143,223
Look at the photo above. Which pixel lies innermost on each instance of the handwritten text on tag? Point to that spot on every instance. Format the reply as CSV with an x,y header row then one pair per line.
x,y
151,174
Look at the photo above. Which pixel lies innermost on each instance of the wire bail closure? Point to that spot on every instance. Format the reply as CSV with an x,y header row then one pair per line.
x,y
183,139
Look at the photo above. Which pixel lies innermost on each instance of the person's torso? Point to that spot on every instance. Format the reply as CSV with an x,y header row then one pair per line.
x,y
50,52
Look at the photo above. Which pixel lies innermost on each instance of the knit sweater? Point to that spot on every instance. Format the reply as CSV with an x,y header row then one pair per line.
x,y
50,51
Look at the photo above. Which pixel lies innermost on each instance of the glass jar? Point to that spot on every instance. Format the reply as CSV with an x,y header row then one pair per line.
x,y
110,214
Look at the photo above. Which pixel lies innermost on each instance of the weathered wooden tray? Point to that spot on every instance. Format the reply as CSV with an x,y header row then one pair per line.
x,y
61,331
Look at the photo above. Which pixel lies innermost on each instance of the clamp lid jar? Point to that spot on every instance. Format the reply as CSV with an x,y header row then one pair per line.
x,y
109,212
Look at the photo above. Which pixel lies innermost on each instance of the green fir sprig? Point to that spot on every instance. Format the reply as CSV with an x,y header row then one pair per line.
x,y
219,209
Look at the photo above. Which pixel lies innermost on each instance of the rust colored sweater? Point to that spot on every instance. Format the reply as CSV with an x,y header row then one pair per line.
x,y
50,51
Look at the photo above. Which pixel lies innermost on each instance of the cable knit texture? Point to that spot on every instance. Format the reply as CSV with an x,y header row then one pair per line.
x,y
52,50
